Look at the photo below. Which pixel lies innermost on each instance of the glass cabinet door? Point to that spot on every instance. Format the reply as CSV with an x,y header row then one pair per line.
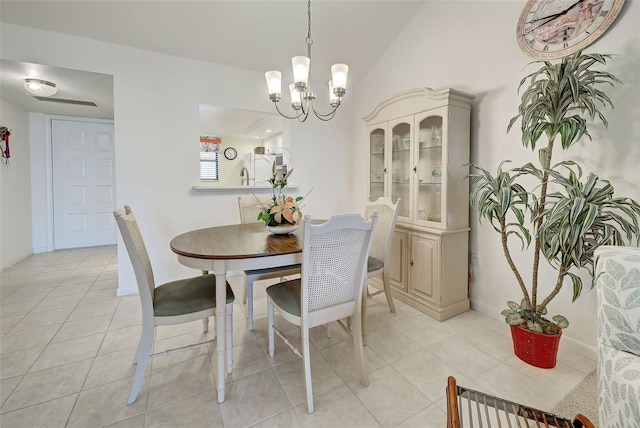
x,y
401,167
430,168
376,163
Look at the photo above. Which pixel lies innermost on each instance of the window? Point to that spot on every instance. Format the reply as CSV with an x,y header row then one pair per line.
x,y
208,166
209,153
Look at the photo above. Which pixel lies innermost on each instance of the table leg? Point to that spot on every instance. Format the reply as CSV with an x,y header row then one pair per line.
x,y
220,272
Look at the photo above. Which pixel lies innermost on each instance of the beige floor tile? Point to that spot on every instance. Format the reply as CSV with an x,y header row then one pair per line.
x,y
338,408
253,399
127,318
318,335
323,377
428,373
180,380
286,419
128,303
94,309
6,388
117,340
51,303
81,328
490,341
468,359
342,357
389,397
282,352
200,410
98,296
42,319
112,408
69,290
18,363
47,384
176,342
431,417
53,413
17,309
391,345
16,341
248,358
56,354
105,284
134,422
6,324
24,296
112,367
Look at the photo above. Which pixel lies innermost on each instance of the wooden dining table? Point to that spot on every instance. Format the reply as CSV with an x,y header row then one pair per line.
x,y
237,247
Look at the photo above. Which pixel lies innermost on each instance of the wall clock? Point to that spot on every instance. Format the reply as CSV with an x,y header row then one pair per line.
x,y
549,29
230,153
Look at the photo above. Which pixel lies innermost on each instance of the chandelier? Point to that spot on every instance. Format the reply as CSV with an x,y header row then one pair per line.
x,y
302,96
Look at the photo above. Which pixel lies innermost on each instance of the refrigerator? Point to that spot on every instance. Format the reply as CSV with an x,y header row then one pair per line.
x,y
259,168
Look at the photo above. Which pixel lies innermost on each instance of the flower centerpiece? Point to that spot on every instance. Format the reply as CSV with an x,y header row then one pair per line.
x,y
280,213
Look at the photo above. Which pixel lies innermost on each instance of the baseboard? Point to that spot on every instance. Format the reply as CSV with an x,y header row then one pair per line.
x,y
15,260
125,291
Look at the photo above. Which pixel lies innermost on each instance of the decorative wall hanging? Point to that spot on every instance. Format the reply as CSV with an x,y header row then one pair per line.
x,y
4,147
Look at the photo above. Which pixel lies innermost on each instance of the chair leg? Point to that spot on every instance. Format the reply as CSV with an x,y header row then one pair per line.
x,y
363,318
328,330
142,355
229,338
249,298
359,348
306,356
387,290
205,325
271,333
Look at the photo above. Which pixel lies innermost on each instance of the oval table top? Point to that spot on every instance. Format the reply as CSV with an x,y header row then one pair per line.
x,y
237,241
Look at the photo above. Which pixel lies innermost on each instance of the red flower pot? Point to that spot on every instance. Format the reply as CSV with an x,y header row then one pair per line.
x,y
537,349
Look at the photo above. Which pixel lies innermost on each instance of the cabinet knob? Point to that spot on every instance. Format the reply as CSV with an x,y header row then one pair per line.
x,y
384,169
411,263
415,169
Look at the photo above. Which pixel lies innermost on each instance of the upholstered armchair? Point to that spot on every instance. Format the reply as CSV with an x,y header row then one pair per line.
x,y
618,287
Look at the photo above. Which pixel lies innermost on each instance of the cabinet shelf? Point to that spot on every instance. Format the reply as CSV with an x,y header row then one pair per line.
x,y
430,148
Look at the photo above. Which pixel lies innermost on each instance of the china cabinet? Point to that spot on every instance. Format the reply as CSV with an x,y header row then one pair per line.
x,y
418,153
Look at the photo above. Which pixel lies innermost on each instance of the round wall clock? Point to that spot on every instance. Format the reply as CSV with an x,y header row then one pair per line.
x,y
230,153
549,29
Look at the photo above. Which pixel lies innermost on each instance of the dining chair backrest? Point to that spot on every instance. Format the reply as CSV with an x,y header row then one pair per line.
x,y
249,209
334,263
383,232
138,254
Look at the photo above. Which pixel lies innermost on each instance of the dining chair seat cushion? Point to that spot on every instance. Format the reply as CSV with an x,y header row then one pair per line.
x,y
286,296
275,269
374,264
186,296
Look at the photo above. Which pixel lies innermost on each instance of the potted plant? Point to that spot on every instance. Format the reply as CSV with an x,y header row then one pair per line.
x,y
281,213
565,214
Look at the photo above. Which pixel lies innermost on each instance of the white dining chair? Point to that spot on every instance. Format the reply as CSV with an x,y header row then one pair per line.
x,y
249,209
378,263
330,287
175,302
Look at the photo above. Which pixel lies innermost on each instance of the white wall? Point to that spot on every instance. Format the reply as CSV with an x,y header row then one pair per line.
x,y
157,130
471,46
15,207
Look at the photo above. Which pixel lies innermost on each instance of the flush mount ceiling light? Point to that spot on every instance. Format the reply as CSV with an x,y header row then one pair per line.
x,y
301,94
40,88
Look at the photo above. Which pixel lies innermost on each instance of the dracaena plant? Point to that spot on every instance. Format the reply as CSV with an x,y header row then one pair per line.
x,y
569,222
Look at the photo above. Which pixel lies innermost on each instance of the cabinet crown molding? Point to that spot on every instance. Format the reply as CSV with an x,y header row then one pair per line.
x,y
413,100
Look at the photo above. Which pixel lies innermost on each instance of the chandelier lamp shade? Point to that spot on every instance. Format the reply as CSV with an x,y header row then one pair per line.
x,y
40,88
302,96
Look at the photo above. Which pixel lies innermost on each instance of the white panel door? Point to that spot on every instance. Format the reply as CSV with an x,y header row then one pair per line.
x,y
83,183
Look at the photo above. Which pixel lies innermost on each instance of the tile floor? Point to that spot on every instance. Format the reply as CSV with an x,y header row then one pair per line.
x,y
67,341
